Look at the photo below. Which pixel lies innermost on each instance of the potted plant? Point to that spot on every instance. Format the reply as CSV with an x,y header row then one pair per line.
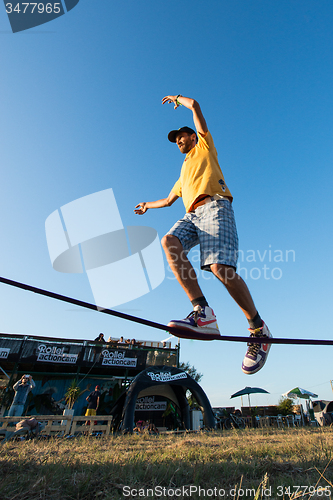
x,y
72,394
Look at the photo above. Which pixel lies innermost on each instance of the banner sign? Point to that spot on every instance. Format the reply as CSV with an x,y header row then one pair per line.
x,y
118,358
53,354
166,376
10,349
148,403
4,353
70,355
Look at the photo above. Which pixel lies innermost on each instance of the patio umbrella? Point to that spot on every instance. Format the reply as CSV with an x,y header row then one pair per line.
x,y
248,391
298,392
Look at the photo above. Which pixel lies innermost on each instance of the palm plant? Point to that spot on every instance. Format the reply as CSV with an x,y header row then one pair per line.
x,y
72,394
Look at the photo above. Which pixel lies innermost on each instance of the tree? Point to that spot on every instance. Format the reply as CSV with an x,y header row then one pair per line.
x,y
285,406
191,370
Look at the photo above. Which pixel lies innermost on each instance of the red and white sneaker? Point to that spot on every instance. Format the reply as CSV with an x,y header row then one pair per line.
x,y
200,320
256,354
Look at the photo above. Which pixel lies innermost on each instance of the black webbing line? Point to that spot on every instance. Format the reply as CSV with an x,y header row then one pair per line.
x,y
176,331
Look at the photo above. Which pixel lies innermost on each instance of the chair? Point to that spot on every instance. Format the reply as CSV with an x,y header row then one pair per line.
x,y
264,421
298,420
279,421
248,421
290,420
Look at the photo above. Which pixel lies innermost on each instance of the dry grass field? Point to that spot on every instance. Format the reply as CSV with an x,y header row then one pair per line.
x,y
250,464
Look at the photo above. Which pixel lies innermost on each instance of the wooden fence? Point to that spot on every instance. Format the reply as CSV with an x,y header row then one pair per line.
x,y
61,425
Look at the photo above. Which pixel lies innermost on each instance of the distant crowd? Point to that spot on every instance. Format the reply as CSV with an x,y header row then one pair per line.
x,y
121,341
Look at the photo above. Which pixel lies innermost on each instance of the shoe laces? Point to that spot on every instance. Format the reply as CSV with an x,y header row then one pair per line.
x,y
255,347
195,313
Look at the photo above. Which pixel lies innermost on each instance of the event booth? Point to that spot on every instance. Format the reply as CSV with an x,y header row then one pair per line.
x,y
156,388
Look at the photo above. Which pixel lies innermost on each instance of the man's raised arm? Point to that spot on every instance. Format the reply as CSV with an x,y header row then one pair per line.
x,y
198,118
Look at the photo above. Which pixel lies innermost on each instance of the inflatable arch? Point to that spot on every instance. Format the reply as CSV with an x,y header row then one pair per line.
x,y
168,382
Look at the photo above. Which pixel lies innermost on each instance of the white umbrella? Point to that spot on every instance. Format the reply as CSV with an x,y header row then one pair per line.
x,y
298,392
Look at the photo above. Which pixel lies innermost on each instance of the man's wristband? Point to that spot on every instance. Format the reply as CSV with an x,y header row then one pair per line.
x,y
177,102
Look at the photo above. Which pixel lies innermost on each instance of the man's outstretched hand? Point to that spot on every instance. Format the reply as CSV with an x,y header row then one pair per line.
x,y
171,99
141,209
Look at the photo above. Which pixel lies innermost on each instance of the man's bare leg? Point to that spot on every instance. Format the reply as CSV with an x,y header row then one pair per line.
x,y
256,354
202,320
181,266
236,287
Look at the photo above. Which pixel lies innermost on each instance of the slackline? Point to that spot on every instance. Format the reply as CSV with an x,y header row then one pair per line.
x,y
178,332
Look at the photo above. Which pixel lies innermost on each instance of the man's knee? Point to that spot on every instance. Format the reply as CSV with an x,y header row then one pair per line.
x,y
223,273
170,242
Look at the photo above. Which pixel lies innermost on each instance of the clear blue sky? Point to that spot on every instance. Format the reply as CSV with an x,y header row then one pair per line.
x,y
81,112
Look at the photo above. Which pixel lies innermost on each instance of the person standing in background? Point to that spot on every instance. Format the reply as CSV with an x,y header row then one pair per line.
x,y
22,389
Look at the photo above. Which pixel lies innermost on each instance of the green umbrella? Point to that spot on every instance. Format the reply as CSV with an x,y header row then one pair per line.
x,y
248,391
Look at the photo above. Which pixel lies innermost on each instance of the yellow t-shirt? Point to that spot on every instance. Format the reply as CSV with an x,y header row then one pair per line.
x,y
200,173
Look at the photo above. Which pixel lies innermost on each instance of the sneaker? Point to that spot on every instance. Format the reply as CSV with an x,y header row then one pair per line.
x,y
256,354
200,320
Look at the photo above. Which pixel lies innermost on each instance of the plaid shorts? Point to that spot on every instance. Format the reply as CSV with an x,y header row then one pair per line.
x,y
213,227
